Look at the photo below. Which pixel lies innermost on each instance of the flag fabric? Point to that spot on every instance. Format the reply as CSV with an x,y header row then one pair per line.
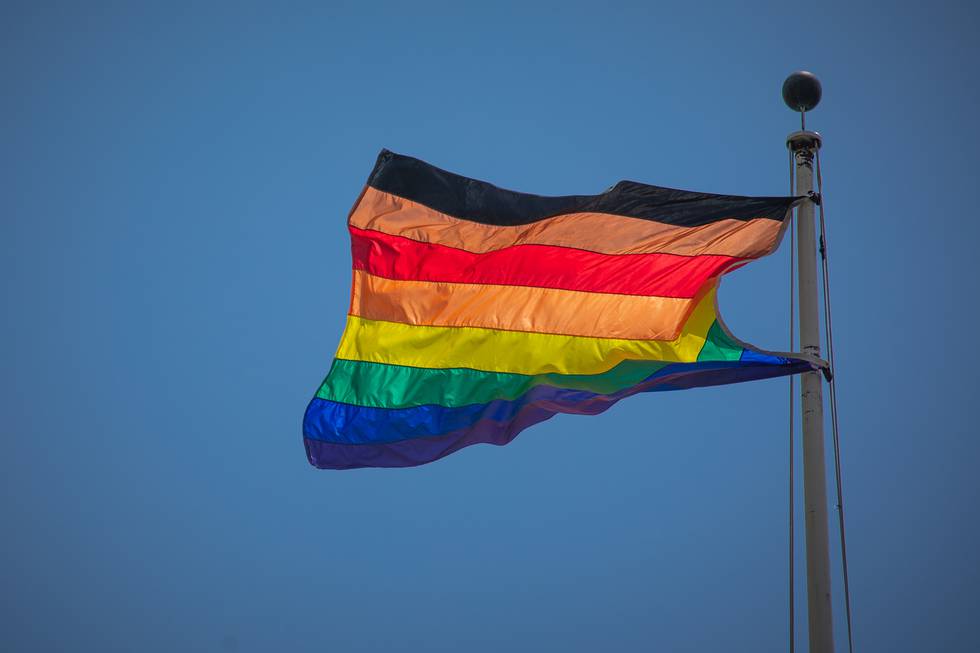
x,y
477,312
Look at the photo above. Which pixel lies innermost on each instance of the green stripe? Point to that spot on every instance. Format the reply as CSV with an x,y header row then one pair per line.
x,y
719,347
395,386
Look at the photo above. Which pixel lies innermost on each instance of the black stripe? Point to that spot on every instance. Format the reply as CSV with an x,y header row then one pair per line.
x,y
470,199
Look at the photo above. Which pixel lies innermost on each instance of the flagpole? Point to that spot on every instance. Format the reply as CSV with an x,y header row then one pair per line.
x,y
802,91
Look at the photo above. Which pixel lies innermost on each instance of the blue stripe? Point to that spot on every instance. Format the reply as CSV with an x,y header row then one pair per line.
x,y
349,424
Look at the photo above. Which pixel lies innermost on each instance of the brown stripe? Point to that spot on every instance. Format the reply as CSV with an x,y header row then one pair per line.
x,y
597,232
519,308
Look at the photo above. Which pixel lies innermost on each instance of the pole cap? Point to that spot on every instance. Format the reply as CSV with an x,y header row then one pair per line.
x,y
802,91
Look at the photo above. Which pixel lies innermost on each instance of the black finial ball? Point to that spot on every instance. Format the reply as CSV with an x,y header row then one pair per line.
x,y
802,91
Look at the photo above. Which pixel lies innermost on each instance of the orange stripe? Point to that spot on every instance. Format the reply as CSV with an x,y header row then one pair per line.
x,y
519,308
597,232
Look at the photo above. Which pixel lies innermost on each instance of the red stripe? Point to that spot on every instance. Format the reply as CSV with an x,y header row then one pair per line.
x,y
543,266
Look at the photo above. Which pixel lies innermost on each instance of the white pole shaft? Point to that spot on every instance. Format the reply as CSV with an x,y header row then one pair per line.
x,y
814,467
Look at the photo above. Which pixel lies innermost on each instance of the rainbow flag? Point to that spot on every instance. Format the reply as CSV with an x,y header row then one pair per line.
x,y
476,312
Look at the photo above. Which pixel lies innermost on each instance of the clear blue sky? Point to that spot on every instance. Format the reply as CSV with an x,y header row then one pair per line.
x,y
174,183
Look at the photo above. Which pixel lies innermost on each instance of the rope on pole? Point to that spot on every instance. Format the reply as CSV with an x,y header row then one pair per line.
x,y
835,428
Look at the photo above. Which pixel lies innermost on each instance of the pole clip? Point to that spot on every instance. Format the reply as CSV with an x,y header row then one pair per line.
x,y
815,197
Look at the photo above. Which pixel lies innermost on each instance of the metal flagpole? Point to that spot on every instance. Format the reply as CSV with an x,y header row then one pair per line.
x,y
802,91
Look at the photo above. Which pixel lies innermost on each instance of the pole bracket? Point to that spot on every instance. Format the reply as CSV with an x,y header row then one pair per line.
x,y
804,140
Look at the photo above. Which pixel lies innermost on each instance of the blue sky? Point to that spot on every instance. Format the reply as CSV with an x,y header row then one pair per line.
x,y
175,272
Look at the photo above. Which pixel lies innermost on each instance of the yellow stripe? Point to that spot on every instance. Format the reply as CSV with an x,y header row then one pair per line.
x,y
515,352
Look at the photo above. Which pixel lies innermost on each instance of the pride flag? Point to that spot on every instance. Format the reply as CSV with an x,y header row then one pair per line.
x,y
476,312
